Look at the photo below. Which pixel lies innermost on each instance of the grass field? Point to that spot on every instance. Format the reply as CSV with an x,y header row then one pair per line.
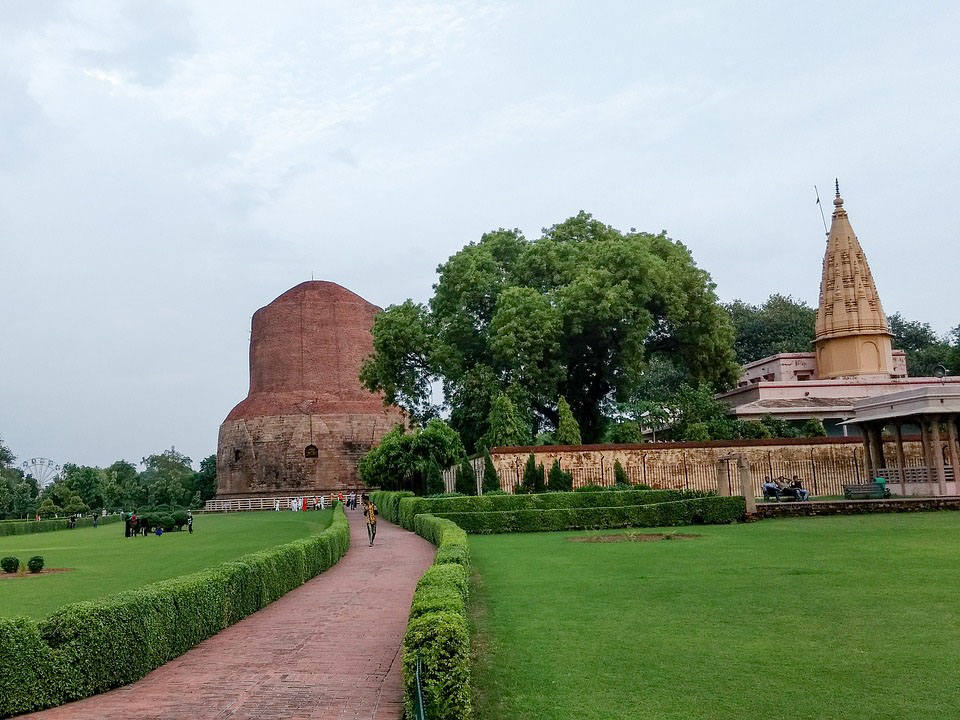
x,y
103,562
834,617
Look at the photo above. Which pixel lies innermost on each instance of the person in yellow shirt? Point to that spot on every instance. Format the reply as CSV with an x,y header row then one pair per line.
x,y
370,512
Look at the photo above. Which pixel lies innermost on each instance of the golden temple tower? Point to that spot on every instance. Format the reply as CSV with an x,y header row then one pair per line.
x,y
852,335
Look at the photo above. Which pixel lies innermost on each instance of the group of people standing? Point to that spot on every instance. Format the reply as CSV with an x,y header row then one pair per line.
x,y
349,502
319,502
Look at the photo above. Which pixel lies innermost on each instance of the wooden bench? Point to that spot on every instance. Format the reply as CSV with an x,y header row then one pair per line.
x,y
866,491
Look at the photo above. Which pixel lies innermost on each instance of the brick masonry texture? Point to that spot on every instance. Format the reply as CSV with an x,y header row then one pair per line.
x,y
329,649
306,350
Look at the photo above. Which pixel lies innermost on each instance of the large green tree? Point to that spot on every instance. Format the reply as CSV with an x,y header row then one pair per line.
x,y
578,312
781,324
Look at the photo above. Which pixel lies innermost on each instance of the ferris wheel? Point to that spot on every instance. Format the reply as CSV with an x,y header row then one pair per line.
x,y
43,470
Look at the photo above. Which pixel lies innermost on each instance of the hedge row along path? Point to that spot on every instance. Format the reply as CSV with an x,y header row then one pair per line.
x,y
329,649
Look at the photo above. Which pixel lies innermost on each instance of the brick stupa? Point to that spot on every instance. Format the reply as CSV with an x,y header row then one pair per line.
x,y
306,420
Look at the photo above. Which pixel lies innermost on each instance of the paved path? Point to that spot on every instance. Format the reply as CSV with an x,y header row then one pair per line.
x,y
329,649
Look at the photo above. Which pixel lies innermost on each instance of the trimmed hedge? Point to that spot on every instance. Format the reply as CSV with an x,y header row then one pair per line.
x,y
28,527
409,507
699,511
387,503
89,647
437,632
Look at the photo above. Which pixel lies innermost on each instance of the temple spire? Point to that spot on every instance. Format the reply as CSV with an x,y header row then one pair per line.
x,y
852,335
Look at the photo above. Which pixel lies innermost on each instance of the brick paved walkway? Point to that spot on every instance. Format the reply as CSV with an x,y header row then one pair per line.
x,y
329,649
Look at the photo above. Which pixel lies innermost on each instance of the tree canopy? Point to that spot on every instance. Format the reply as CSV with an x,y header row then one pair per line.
x,y
577,312
781,324
402,460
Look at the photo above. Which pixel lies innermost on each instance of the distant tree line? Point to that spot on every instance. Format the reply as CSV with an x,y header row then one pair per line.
x,y
167,479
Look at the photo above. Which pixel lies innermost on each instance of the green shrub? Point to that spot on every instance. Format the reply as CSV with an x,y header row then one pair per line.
x,y
387,502
466,482
491,481
705,510
558,480
35,564
86,647
435,484
441,641
593,488
437,633
10,564
28,527
179,519
620,476
533,481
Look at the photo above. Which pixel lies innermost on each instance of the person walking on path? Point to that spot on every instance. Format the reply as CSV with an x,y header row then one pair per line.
x,y
370,512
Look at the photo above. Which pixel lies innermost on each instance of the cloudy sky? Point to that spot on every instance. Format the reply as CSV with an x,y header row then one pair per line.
x,y
166,168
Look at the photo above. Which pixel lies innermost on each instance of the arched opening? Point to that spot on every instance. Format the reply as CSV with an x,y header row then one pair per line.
x,y
311,451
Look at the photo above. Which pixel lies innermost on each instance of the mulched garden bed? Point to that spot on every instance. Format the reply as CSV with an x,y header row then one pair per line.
x,y
632,537
26,573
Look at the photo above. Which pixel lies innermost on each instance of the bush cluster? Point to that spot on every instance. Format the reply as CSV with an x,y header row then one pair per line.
x,y
437,632
35,564
10,564
27,527
86,647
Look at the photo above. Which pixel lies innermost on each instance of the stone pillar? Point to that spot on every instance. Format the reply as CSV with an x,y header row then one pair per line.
x,y
876,443
937,449
746,486
867,460
927,447
723,482
901,458
954,451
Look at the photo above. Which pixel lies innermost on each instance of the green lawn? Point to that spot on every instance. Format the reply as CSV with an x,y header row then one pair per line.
x,y
104,562
834,617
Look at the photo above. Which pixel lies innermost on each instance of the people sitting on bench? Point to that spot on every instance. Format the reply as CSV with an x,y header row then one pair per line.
x,y
798,489
771,488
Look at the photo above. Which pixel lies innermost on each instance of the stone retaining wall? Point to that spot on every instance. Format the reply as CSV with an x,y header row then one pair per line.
x,y
856,507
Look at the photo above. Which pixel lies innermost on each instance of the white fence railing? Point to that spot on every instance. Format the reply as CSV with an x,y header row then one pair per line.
x,y
264,503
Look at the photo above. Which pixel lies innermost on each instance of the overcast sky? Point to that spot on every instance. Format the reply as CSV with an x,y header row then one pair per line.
x,y
168,168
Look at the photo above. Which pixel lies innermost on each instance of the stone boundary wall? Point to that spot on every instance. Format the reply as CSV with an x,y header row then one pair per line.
x,y
824,465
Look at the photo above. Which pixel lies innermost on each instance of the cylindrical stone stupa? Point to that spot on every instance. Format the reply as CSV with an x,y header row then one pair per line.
x,y
306,420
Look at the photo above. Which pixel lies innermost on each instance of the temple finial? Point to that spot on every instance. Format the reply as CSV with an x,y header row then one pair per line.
x,y
837,201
